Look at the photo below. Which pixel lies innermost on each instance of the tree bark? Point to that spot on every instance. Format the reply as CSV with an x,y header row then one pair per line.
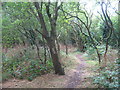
x,y
38,52
58,47
66,47
55,58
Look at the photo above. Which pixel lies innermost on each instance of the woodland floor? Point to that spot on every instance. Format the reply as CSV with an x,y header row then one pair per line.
x,y
77,75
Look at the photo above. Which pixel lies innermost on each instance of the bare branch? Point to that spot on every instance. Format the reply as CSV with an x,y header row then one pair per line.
x,y
81,29
101,16
48,10
56,10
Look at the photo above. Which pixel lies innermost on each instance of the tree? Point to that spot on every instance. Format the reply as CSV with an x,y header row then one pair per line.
x,y
87,21
109,29
27,18
52,37
78,35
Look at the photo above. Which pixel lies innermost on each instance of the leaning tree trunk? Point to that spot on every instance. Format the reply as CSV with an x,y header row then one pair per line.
x,y
55,58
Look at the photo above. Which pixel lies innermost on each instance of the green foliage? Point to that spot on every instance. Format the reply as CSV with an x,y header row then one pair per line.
x,y
10,36
108,77
91,53
17,23
115,37
105,32
101,49
24,65
17,16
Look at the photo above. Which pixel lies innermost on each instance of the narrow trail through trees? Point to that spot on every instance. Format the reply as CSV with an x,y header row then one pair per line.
x,y
76,78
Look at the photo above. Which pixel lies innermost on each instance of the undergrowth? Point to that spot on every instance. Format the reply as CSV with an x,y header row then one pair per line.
x,y
24,65
108,77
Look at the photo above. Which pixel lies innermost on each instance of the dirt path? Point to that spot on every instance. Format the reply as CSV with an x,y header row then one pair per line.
x,y
74,78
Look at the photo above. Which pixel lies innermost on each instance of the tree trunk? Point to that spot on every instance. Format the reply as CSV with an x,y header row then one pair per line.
x,y
66,46
52,37
55,58
105,55
119,29
45,56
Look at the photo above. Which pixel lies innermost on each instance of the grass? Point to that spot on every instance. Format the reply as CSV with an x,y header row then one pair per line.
x,y
92,62
70,60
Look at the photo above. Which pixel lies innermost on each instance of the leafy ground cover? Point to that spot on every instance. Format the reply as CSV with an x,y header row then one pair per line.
x,y
78,74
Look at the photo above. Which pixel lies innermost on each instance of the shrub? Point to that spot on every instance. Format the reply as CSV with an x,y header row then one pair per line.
x,y
108,77
91,53
24,65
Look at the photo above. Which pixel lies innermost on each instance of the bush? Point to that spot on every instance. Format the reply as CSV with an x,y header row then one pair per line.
x,y
25,66
91,53
108,77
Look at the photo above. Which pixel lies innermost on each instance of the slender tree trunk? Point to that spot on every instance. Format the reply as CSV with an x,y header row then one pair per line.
x,y
48,52
119,29
38,52
45,56
98,54
105,55
66,47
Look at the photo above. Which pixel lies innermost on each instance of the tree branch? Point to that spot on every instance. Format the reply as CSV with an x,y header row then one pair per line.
x,y
44,32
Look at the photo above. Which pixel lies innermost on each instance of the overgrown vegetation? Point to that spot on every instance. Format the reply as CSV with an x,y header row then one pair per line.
x,y
43,27
25,65
108,77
